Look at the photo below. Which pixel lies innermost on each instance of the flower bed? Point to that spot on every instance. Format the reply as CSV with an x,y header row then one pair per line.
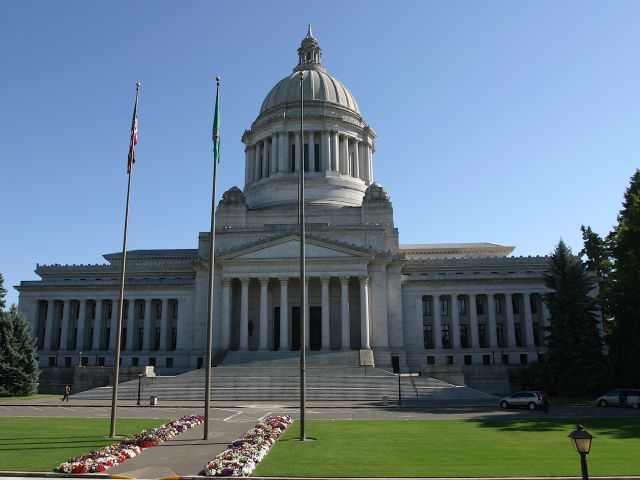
x,y
240,459
111,455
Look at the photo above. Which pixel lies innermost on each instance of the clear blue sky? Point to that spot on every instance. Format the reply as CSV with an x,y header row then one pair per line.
x,y
500,121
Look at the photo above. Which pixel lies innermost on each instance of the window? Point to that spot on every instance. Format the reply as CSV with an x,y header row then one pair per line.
x,y
444,307
135,361
52,361
141,311
431,360
464,337
498,304
124,338
462,307
518,332
107,338
84,361
152,361
523,359
500,334
515,305
200,363
533,304
428,336
317,156
426,307
158,310
480,306
486,359
306,157
482,335
541,358
174,338
109,309
505,359
101,361
450,359
174,310
169,362
125,309
468,360
446,341
157,339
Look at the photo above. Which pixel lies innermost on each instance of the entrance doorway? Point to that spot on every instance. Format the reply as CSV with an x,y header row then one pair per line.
x,y
315,328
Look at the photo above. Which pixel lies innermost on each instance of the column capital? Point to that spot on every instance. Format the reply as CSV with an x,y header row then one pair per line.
x,y
284,281
264,281
244,281
324,280
226,281
344,279
364,279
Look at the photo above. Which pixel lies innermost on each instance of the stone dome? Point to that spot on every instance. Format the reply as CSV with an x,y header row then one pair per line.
x,y
317,85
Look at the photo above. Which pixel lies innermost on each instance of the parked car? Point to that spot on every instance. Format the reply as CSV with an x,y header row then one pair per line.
x,y
620,397
530,400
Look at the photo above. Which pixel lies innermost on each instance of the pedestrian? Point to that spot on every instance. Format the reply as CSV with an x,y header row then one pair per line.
x,y
67,392
545,402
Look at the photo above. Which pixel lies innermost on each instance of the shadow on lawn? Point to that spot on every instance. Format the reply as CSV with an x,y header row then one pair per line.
x,y
618,428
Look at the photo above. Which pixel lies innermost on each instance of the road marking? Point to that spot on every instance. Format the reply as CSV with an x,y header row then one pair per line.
x,y
264,416
5,408
238,412
36,408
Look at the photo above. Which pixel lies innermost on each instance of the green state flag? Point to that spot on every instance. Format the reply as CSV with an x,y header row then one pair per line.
x,y
216,129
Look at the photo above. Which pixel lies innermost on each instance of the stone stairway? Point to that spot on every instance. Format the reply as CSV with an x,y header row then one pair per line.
x,y
249,376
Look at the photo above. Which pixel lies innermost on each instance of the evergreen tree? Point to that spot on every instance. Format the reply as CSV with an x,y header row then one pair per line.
x,y
18,354
597,251
575,363
3,292
624,338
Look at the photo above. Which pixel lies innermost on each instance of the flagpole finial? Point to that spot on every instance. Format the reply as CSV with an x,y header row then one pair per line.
x,y
138,85
218,80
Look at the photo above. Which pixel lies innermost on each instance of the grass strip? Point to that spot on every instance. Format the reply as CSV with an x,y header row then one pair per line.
x,y
453,448
35,444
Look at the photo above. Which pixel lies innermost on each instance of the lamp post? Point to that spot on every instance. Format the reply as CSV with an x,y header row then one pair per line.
x,y
139,386
581,440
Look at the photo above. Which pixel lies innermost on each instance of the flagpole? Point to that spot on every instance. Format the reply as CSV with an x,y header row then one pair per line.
x,y
303,283
116,359
212,239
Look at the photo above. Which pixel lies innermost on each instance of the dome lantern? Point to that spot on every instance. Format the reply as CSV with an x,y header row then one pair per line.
x,y
309,54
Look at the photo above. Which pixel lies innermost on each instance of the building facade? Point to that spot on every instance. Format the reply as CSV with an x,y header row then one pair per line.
x,y
428,305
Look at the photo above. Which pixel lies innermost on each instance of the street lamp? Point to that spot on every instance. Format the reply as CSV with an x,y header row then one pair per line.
x,y
139,386
581,440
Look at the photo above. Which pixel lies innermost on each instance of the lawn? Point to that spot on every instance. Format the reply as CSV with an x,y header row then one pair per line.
x,y
28,397
453,448
32,444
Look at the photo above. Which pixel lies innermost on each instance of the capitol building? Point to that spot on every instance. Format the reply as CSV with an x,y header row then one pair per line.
x,y
430,308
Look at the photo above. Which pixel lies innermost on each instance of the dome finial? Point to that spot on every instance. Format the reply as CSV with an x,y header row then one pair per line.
x,y
309,53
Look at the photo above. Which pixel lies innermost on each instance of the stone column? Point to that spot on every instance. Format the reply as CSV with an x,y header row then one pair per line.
x,y
284,314
362,157
257,167
325,151
146,329
528,320
244,314
274,153
131,322
97,326
226,312
356,160
48,325
163,325
491,315
344,160
283,151
81,325
473,313
114,325
511,330
370,162
64,333
298,151
326,333
265,158
264,283
335,151
455,321
345,322
312,152
437,322
364,313
247,171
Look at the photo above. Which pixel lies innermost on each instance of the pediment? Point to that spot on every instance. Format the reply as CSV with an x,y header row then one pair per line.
x,y
288,248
